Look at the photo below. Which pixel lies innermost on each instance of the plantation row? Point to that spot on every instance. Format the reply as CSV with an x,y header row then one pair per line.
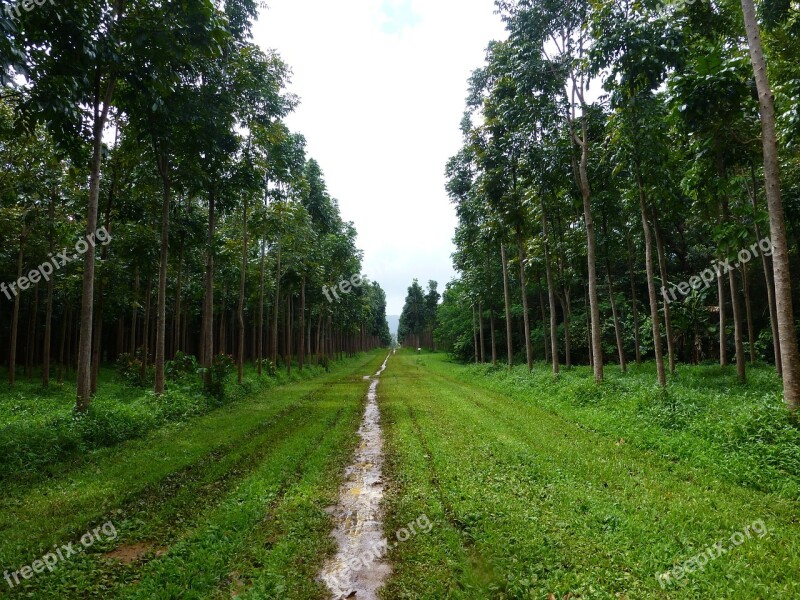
x,y
628,189
155,206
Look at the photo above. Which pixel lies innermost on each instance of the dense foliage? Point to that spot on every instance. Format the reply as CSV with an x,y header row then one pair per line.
x,y
147,140
611,190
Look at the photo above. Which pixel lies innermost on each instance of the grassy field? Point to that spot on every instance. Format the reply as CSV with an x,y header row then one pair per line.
x,y
500,485
531,496
232,501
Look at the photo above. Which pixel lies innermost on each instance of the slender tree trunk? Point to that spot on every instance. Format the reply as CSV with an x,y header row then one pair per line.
x,y
276,310
134,311
723,323
662,264
65,318
772,174
475,335
617,326
741,362
12,352
551,292
494,336
525,312
84,381
765,262
651,286
208,301
481,328
242,290
748,305
176,334
48,319
30,342
289,326
261,300
594,302
634,304
161,317
302,338
507,293
146,330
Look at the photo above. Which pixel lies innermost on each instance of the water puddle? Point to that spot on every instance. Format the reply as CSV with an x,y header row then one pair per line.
x,y
358,570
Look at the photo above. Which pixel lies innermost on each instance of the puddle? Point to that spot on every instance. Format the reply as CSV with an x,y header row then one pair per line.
x,y
359,570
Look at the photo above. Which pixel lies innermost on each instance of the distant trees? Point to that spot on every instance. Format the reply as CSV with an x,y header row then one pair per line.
x,y
642,189
419,317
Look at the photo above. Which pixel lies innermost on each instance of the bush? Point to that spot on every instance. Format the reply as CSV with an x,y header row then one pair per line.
x,y
129,368
181,366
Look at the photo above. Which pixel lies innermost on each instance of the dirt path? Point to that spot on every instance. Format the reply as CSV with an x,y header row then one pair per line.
x,y
358,569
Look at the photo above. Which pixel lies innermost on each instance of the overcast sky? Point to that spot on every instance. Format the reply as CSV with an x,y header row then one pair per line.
x,y
383,85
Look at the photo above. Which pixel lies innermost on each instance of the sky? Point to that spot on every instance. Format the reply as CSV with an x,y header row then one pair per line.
x,y
383,85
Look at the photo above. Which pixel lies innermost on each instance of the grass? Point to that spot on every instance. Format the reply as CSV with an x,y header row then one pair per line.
x,y
529,503
39,428
533,489
233,499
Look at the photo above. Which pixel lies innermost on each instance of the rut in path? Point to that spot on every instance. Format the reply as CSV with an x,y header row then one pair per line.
x,y
358,570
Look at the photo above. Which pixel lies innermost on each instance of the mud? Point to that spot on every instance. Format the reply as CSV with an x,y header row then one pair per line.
x,y
359,569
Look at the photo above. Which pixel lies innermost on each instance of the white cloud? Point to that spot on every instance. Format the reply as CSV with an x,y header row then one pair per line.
x,y
383,84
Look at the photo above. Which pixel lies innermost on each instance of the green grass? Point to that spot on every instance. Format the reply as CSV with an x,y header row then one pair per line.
x,y
527,503
231,499
741,433
39,428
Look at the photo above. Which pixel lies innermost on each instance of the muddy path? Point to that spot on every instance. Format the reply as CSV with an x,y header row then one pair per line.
x,y
359,568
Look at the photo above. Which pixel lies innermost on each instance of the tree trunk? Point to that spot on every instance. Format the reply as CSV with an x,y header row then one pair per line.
x,y
480,329
84,381
723,323
525,312
176,334
302,338
594,302
275,311
242,289
475,335
507,293
748,305
551,292
12,353
134,311
651,286
780,258
617,326
662,264
741,370
48,319
634,304
208,299
146,330
161,316
494,336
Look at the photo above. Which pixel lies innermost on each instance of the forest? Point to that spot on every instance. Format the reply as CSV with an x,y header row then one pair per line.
x,y
627,190
218,232
201,397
